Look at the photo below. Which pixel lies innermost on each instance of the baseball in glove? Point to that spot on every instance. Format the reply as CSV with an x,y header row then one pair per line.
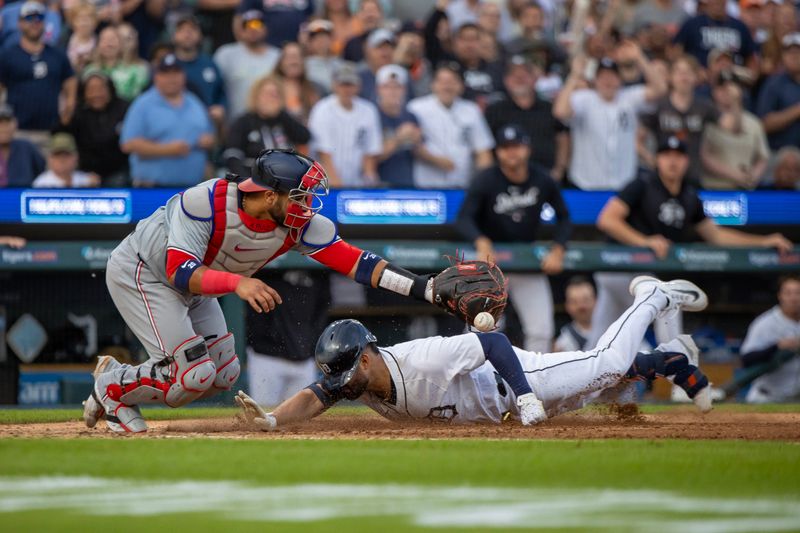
x,y
471,287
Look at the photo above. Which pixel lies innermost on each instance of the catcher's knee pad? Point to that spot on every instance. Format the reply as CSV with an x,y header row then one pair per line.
x,y
223,353
192,372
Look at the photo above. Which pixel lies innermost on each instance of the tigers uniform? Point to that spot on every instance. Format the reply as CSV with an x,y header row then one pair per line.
x,y
449,378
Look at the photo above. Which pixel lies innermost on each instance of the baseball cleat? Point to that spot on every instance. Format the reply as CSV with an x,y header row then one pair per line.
x,y
92,409
703,399
120,418
682,294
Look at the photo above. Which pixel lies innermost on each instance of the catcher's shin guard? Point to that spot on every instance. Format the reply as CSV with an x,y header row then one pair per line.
x,y
181,378
223,354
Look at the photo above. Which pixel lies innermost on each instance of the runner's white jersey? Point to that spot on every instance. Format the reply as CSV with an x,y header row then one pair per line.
x,y
442,378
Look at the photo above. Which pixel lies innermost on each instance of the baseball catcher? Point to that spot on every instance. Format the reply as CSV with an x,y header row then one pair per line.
x,y
207,241
481,377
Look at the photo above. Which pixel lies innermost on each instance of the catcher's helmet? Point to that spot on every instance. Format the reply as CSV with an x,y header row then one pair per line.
x,y
293,173
339,350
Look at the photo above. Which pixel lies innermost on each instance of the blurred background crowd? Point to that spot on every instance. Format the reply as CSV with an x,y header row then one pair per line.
x,y
405,94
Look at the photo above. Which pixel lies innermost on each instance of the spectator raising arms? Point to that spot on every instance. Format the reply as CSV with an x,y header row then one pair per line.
x,y
347,132
604,122
247,60
266,125
20,161
167,131
96,125
62,166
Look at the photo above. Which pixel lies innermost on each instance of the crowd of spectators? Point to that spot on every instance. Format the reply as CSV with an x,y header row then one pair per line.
x,y
155,93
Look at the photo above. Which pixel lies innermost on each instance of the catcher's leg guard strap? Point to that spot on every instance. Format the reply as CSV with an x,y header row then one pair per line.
x,y
223,354
192,372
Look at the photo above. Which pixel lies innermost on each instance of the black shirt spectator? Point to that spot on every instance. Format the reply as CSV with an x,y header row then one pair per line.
x,y
482,80
267,125
656,211
779,100
370,17
34,73
715,29
96,126
507,211
20,161
549,137
282,17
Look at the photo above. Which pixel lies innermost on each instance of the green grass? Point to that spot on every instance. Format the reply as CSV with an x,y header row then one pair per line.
x,y
760,471
732,468
28,416
704,469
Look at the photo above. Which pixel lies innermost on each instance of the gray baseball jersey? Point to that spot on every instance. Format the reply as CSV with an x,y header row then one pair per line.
x,y
766,330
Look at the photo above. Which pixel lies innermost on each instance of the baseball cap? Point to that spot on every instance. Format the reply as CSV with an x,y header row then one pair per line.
x,y
746,4
607,63
62,143
412,26
791,39
187,18
379,37
169,62
672,144
6,111
251,15
347,72
512,134
389,73
31,8
319,26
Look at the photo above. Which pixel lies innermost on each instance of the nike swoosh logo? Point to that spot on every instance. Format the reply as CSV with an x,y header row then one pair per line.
x,y
240,249
204,380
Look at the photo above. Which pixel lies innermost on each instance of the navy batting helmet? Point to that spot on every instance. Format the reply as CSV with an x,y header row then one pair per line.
x,y
339,350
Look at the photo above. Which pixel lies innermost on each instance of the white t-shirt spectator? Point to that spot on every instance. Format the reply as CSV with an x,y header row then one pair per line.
x,y
49,180
457,133
604,138
347,135
240,69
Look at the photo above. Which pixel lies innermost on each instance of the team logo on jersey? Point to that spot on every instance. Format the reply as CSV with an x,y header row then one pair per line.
x,y
671,213
443,413
361,138
39,70
515,201
209,75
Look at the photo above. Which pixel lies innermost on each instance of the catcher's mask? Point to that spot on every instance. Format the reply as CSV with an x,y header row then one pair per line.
x,y
287,171
339,351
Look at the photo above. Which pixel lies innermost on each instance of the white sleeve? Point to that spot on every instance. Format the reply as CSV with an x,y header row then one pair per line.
x,y
759,334
635,97
374,133
581,101
440,359
318,126
482,138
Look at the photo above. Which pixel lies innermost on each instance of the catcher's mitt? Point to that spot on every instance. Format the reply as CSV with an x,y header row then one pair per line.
x,y
471,287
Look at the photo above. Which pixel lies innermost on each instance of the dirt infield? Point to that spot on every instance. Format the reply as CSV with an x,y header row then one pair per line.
x,y
617,423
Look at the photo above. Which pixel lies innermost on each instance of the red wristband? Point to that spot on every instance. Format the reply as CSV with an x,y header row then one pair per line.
x,y
216,282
